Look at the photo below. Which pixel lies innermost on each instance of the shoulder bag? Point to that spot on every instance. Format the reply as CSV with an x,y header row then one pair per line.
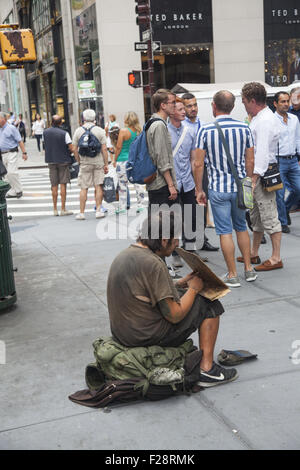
x,y
271,180
181,139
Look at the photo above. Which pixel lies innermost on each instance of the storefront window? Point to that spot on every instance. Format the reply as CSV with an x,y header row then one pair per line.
x,y
41,17
282,41
87,51
184,35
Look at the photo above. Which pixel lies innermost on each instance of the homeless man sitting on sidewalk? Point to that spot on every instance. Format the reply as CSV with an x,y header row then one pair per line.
x,y
146,308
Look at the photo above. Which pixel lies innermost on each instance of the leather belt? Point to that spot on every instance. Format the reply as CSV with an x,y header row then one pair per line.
x,y
11,150
287,157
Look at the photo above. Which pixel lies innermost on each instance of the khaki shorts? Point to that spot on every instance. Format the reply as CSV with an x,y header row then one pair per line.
x,y
59,173
90,175
264,215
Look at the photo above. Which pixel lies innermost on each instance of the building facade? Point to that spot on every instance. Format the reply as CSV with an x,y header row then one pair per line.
x,y
86,49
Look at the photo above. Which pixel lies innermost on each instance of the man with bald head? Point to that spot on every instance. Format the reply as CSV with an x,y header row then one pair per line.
x,y
58,145
222,188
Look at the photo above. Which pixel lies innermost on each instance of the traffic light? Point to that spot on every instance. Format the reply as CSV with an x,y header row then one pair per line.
x,y
142,9
17,46
134,79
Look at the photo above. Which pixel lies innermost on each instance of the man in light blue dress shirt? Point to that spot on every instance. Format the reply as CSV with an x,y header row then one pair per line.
x,y
288,147
194,124
183,147
10,140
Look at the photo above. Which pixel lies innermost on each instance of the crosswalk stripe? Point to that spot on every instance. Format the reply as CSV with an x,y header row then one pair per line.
x,y
37,196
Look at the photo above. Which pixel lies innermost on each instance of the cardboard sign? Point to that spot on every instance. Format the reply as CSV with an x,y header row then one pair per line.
x,y
214,287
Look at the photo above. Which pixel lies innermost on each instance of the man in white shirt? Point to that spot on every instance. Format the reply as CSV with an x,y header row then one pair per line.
x,y
289,146
264,216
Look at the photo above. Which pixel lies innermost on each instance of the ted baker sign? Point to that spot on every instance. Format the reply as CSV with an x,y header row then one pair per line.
x,y
279,13
182,22
178,17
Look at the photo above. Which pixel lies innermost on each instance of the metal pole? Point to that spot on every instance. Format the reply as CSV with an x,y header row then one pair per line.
x,y
150,60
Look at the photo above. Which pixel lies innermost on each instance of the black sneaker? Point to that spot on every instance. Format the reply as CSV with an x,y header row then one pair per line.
x,y
217,375
285,229
176,261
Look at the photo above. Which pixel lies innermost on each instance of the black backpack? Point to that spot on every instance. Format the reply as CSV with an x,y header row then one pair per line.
x,y
88,144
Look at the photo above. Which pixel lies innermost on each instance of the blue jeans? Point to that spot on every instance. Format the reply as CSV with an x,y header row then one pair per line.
x,y
290,175
226,213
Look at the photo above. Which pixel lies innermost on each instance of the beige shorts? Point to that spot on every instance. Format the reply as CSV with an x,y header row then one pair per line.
x,y
264,215
59,173
90,175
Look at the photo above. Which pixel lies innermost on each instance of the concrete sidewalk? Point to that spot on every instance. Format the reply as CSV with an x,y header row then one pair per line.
x,y
61,286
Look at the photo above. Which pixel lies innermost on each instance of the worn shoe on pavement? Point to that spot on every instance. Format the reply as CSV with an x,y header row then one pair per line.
x,y
250,276
208,247
100,215
65,212
285,229
80,217
176,261
253,259
263,240
268,266
55,213
217,375
231,281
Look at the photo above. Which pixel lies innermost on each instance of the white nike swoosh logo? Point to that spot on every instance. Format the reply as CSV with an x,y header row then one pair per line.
x,y
221,377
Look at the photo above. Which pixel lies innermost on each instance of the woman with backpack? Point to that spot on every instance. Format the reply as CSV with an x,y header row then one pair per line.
x,y
126,136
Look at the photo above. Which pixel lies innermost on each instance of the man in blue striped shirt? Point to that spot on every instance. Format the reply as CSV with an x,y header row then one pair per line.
x,y
222,189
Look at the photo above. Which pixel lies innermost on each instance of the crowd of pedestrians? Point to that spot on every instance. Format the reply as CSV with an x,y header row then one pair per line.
x,y
192,167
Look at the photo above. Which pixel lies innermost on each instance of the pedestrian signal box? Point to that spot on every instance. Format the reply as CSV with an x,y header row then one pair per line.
x,y
134,79
17,46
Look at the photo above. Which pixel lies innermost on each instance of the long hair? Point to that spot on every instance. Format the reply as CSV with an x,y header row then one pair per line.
x,y
131,120
159,225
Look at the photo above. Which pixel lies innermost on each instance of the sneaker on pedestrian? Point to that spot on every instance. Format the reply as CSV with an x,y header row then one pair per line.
x,y
285,229
250,276
100,215
65,212
231,281
103,209
176,261
120,211
19,195
55,213
80,216
217,375
174,275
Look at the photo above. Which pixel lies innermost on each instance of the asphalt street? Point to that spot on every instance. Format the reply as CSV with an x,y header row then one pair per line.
x,y
61,309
